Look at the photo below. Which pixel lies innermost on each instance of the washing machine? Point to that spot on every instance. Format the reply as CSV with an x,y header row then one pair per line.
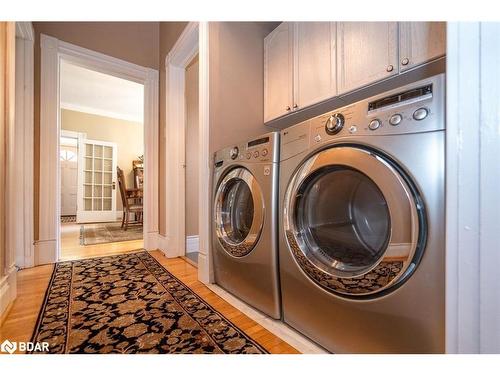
x,y
245,230
362,223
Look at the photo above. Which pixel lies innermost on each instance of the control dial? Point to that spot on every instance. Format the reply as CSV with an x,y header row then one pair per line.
x,y
234,153
335,123
374,124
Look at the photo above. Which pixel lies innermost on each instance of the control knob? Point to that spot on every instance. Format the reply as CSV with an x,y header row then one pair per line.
x,y
335,123
234,153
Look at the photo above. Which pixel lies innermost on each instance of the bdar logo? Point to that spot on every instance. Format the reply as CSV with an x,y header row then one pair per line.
x,y
8,347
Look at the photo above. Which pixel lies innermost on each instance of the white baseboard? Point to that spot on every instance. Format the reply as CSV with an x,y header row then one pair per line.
x,y
151,240
45,252
8,290
192,244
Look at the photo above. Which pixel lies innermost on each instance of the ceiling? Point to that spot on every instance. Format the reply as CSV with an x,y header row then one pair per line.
x,y
101,94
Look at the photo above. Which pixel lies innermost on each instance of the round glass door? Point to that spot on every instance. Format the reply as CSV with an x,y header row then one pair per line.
x,y
239,212
344,220
352,221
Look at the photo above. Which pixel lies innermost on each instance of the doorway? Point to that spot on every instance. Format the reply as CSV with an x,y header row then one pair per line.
x,y
101,153
53,53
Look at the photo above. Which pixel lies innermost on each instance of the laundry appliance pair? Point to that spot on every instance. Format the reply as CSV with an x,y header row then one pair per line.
x,y
336,224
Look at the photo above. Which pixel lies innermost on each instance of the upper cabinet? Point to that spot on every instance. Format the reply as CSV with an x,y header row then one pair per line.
x,y
314,62
278,73
308,62
366,52
420,42
299,67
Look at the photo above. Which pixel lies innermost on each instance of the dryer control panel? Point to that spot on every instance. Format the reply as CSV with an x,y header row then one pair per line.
x,y
263,149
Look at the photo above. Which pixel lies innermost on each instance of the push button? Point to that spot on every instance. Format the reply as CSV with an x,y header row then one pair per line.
x,y
374,124
256,154
395,119
249,155
420,114
264,152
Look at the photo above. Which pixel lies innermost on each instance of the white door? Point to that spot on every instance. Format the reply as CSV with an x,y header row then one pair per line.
x,y
69,179
278,73
314,62
366,52
420,42
96,181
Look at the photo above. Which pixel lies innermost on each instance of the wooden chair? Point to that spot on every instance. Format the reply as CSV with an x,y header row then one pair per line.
x,y
131,199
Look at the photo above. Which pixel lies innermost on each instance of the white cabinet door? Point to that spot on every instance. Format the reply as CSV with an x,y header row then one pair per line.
x,y
314,62
278,74
420,42
96,181
366,52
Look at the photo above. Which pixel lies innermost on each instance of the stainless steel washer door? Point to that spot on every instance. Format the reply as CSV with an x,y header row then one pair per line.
x,y
239,212
352,221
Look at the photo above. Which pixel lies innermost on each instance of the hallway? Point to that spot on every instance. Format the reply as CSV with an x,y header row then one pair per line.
x,y
32,285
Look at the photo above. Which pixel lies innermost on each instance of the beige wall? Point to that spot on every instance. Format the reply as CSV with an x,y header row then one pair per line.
x,y
136,42
192,147
169,33
128,136
7,84
236,82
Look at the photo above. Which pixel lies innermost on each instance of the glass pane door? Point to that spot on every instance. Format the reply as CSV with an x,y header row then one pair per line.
x,y
98,198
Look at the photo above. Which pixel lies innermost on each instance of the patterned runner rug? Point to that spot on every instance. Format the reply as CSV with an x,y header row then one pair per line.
x,y
91,234
131,304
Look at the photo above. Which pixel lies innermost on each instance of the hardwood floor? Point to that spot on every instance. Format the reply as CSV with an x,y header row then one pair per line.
x,y
32,283
71,248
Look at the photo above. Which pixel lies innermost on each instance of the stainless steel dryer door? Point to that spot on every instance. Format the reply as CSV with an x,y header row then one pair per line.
x,y
239,212
352,222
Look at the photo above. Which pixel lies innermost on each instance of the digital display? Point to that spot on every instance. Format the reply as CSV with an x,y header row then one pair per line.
x,y
257,142
399,98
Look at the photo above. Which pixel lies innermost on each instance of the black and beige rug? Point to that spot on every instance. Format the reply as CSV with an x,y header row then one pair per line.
x,y
131,304
68,219
92,234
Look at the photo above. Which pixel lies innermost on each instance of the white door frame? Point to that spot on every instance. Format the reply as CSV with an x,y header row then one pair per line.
x,y
193,40
22,220
472,180
52,52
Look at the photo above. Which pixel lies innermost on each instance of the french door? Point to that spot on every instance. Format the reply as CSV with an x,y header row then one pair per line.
x,y
96,181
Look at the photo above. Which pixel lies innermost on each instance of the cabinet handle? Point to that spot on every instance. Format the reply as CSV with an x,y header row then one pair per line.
x,y
390,68
295,106
288,108
405,61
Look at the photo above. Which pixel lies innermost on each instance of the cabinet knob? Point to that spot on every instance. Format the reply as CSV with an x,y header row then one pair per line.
x,y
288,108
390,68
295,106
405,61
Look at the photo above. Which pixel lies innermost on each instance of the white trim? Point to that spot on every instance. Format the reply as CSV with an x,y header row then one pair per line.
x,y
21,224
472,180
276,327
24,30
205,267
52,51
192,244
8,290
176,63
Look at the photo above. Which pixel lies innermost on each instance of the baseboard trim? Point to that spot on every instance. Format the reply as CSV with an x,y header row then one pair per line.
x,y
192,244
45,252
8,292
151,240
